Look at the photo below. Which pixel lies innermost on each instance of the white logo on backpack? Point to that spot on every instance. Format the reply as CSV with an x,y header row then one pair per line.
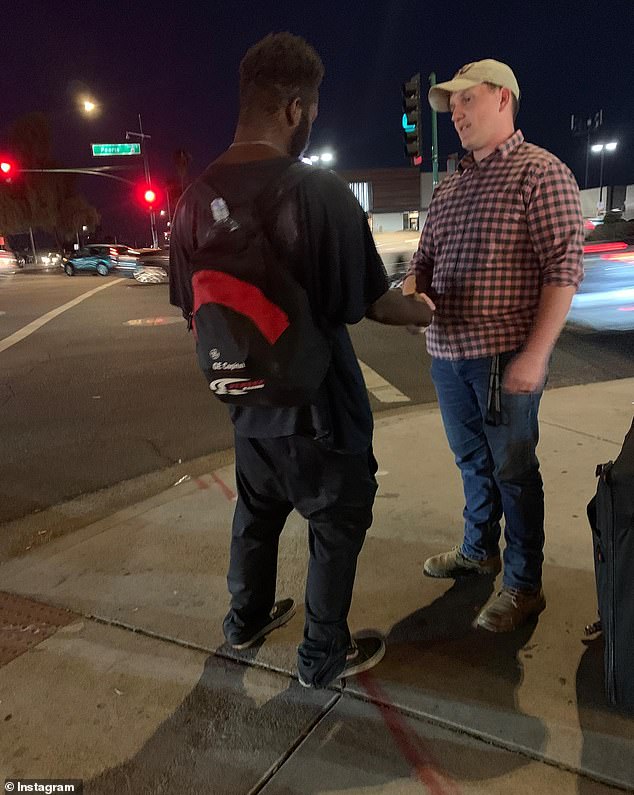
x,y
235,386
228,366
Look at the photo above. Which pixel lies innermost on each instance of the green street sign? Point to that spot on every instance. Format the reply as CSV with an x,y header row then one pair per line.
x,y
108,150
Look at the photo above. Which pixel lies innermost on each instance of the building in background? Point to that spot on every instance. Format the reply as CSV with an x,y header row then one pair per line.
x,y
395,199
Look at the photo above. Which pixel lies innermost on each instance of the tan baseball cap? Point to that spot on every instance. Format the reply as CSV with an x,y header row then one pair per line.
x,y
472,74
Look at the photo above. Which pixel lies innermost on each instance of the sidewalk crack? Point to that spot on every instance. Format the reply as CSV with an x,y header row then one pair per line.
x,y
581,433
295,747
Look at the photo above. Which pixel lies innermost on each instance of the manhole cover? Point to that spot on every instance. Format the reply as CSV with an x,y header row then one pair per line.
x,y
24,623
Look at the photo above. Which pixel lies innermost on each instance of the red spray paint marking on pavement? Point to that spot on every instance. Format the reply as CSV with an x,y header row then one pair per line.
x,y
202,484
409,743
229,494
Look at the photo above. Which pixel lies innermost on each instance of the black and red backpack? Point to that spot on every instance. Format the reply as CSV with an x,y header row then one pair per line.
x,y
257,340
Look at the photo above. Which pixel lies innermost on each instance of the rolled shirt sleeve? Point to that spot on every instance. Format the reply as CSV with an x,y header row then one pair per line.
x,y
555,225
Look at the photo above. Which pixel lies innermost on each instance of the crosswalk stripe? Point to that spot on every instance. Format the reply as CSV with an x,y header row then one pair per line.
x,y
380,388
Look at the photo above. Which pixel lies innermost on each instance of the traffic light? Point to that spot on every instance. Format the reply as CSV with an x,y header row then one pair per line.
x,y
412,118
147,195
7,169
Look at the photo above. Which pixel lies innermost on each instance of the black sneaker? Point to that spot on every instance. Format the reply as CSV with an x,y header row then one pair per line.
x,y
365,652
281,614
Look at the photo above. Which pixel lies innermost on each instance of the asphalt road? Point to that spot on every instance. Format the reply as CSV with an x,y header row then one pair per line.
x,y
109,389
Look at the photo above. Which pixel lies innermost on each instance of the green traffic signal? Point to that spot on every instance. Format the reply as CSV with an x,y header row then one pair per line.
x,y
407,127
411,119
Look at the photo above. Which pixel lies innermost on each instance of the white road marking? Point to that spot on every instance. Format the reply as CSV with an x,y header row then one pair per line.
x,y
155,321
27,330
375,384
380,388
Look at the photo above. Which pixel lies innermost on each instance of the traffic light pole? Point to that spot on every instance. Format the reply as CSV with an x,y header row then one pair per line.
x,y
93,172
146,166
434,137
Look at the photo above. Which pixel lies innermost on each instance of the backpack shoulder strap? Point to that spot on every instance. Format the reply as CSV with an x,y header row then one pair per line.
x,y
275,191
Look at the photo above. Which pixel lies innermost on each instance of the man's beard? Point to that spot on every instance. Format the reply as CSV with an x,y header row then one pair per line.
x,y
299,141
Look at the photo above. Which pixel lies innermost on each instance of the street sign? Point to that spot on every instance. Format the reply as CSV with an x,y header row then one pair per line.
x,y
108,150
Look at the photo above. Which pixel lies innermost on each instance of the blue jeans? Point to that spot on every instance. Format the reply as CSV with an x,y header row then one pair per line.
x,y
499,467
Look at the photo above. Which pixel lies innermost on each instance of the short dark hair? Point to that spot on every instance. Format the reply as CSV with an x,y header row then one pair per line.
x,y
515,103
278,69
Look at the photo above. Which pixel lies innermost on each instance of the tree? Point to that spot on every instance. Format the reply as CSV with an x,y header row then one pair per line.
x,y
46,201
74,212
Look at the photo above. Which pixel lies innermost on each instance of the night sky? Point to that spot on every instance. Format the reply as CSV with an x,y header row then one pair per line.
x,y
177,65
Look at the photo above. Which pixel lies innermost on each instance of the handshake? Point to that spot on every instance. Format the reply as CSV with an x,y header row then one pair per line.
x,y
403,307
409,290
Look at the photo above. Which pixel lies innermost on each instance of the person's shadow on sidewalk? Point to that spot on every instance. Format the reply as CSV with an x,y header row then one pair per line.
x,y
461,673
230,732
233,724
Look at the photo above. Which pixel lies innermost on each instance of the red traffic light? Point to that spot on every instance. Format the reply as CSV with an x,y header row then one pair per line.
x,y
7,169
147,196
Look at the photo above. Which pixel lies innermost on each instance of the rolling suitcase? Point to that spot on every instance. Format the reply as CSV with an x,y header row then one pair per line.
x,y
611,515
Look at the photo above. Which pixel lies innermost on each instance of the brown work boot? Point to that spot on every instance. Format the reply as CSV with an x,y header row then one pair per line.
x,y
511,609
455,564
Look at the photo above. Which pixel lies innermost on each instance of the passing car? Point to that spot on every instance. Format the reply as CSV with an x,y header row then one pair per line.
x,y
89,259
605,299
152,266
48,259
102,258
8,261
398,270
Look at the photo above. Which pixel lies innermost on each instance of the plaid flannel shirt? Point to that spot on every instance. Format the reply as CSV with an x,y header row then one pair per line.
x,y
496,232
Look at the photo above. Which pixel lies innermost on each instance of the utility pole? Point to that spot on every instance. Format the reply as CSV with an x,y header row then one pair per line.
x,y
434,136
146,166
580,126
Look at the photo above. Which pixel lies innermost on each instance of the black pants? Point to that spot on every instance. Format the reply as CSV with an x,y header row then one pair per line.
x,y
335,493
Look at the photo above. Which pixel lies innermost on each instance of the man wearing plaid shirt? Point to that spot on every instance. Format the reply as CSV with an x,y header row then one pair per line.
x,y
501,257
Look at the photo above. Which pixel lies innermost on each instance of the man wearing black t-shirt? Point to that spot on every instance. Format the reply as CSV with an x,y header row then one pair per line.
x,y
315,458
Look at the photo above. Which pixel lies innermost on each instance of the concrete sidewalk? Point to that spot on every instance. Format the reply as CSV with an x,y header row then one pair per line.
x,y
135,691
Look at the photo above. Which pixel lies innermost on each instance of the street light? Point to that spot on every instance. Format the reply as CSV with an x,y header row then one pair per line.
x,y
314,160
88,105
602,149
